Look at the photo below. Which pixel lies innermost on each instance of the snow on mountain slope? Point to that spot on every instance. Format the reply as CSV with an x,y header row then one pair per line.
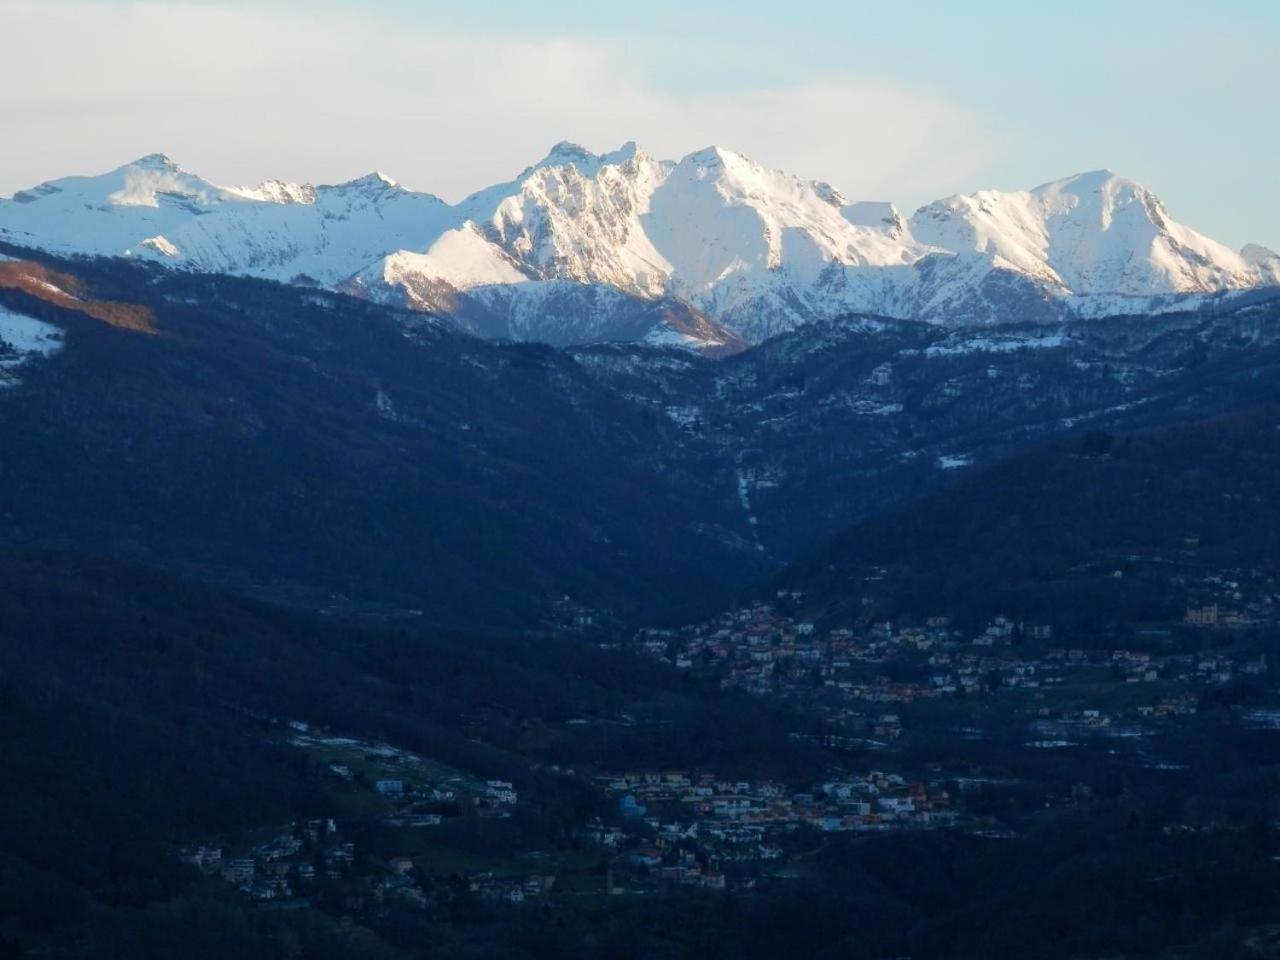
x,y
151,208
565,313
461,258
558,312
288,232
744,244
720,213
762,250
876,215
110,213
21,338
1091,234
467,276
1266,262
578,216
581,246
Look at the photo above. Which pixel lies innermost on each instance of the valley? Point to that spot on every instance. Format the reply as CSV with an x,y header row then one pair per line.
x,y
845,638
686,477
826,506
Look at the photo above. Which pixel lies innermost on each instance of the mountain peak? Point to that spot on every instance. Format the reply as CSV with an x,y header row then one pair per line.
x,y
1264,260
277,191
713,156
376,182
625,152
566,151
754,248
628,152
1256,253
1093,181
878,215
154,161
1101,175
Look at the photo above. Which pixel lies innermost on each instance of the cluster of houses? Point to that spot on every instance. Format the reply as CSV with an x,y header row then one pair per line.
x,y
413,799
401,881
1231,598
510,889
283,867
293,862
689,827
874,800
414,793
296,861
767,652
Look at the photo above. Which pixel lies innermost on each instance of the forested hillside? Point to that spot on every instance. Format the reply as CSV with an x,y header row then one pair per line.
x,y
1087,533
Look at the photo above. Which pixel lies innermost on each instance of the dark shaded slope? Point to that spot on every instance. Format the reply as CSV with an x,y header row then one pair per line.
x,y
314,449
823,427
299,445
139,713
1085,533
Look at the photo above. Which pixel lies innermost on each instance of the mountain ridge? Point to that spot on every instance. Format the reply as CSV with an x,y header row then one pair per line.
x,y
751,251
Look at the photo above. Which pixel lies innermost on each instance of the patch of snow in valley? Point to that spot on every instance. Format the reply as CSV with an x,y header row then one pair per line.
x,y
24,337
990,345
386,406
669,337
685,416
749,480
162,246
861,406
1070,422
53,288
1051,744
871,408
1263,719
744,490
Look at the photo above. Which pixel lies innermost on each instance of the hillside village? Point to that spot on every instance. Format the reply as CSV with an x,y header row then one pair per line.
x,y
695,829
692,829
688,829
768,649
381,788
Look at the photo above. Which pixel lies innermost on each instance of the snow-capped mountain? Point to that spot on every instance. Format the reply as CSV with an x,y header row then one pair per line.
x,y
1094,235
279,231
1266,262
713,251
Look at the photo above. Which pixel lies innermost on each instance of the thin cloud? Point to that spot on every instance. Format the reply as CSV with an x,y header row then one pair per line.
x,y
240,95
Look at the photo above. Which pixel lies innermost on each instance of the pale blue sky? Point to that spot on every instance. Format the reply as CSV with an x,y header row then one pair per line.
x,y
938,97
